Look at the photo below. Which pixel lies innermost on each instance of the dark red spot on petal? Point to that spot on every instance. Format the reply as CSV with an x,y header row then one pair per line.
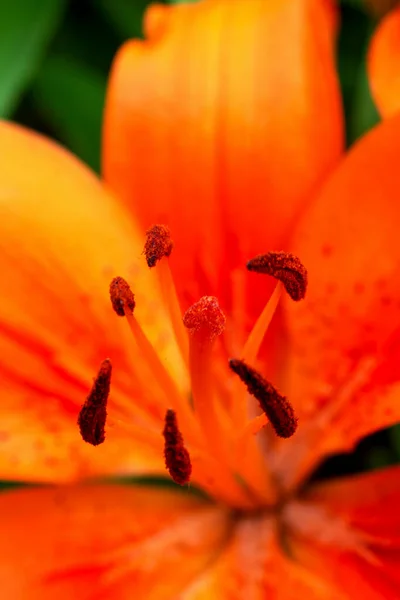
x,y
327,250
359,287
386,300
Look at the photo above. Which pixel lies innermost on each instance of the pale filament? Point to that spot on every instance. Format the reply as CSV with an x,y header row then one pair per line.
x,y
171,301
257,334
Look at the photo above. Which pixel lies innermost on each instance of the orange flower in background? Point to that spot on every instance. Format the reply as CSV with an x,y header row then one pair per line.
x,y
225,147
383,63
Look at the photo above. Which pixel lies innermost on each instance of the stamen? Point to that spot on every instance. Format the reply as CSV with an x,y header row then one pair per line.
x,y
277,408
121,296
122,299
177,458
93,414
158,244
205,321
283,266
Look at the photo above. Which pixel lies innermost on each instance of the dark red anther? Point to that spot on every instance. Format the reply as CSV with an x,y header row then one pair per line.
x,y
158,244
283,266
177,458
121,296
93,414
277,407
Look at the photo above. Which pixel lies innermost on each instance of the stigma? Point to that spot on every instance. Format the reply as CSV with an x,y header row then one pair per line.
x,y
205,318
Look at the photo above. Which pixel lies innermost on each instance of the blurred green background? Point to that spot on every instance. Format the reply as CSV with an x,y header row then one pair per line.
x,y
54,59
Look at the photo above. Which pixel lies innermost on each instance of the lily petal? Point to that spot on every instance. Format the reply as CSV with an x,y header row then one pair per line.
x,y
355,524
343,375
384,62
105,542
219,127
62,238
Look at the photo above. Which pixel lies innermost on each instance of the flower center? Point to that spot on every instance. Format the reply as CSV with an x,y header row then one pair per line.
x,y
209,437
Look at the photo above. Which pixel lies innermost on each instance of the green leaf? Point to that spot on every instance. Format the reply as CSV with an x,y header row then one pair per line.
x,y
355,32
69,95
379,457
26,28
157,482
125,15
353,3
394,434
363,115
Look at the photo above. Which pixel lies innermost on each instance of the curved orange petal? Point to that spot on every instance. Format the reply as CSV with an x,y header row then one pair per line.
x,y
105,542
369,502
344,338
62,238
384,64
220,127
361,514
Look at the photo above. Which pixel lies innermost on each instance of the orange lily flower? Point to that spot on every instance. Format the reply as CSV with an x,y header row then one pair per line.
x,y
208,134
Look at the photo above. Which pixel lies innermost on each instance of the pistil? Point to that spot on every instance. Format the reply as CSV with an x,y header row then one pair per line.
x,y
205,322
